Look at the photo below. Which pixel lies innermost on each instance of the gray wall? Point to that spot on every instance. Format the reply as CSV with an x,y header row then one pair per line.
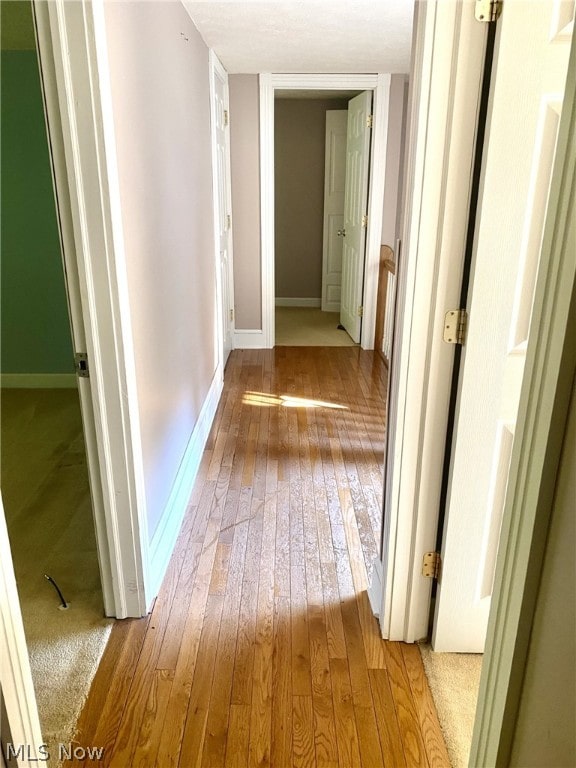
x,y
299,143
545,730
161,102
394,160
245,171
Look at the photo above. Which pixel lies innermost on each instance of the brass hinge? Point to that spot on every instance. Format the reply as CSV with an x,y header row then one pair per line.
x,y
487,10
365,220
81,364
455,323
231,315
360,311
369,121
431,564
226,118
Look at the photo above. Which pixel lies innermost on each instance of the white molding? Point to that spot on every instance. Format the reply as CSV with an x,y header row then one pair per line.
x,y
164,539
15,675
282,301
375,588
74,39
249,339
269,83
448,53
544,402
38,381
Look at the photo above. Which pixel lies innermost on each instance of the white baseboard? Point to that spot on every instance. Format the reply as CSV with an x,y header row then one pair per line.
x,y
38,380
249,339
303,302
331,306
164,539
375,588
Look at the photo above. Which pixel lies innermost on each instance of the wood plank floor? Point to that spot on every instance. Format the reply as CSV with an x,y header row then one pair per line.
x,y
261,649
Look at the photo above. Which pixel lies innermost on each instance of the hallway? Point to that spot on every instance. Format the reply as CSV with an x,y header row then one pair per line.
x,y
261,648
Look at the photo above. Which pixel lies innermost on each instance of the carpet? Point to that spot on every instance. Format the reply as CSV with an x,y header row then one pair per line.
x,y
309,327
50,525
454,679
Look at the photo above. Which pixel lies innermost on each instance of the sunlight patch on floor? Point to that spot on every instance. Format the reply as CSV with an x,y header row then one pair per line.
x,y
264,400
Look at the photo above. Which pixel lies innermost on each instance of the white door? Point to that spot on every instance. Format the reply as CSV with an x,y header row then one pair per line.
x,y
334,189
355,212
222,199
530,72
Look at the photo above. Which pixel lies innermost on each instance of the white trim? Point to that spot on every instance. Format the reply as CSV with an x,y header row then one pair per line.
x,y
164,539
269,83
282,301
448,51
74,38
375,588
38,381
544,402
15,675
249,340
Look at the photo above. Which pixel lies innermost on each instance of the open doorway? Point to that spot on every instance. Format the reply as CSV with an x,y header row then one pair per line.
x,y
310,129
44,474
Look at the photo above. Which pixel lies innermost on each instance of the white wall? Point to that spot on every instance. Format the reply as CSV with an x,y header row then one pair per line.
x,y
160,91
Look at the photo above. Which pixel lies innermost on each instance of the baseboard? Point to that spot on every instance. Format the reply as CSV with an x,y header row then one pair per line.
x,y
331,306
164,539
249,339
38,380
375,588
303,302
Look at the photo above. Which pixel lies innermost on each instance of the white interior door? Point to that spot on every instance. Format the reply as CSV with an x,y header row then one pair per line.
x,y
527,98
334,189
223,204
355,212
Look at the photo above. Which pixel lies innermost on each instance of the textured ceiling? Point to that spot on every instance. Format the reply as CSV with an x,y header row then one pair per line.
x,y
307,36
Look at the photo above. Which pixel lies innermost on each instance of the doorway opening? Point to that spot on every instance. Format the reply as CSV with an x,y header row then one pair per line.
x,y
310,130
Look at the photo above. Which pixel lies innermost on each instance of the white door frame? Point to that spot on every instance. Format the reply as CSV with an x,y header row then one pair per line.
x,y
269,84
217,70
448,56
72,47
15,675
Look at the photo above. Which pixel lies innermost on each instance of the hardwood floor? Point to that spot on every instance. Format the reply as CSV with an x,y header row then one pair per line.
x,y
261,649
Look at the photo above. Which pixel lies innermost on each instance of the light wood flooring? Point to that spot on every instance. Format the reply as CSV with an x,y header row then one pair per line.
x,y
261,649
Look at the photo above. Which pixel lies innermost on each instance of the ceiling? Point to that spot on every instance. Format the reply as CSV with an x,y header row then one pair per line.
x,y
307,36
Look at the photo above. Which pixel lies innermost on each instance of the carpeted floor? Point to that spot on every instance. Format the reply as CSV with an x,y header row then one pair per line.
x,y
50,525
454,679
308,327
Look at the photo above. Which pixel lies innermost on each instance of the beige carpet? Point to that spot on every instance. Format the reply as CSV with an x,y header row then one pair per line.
x,y
454,679
49,516
304,327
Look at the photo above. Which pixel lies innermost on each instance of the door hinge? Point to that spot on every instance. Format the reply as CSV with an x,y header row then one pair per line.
x,y
231,315
226,118
369,121
365,220
487,10
81,364
431,564
455,323
360,311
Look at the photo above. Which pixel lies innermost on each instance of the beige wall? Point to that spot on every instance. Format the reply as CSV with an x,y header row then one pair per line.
x,y
394,160
159,76
245,170
299,141
546,727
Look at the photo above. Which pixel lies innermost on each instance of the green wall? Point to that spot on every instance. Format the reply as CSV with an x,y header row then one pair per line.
x,y
35,330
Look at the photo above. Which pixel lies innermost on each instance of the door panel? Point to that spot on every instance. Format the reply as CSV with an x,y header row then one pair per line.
x,y
355,209
334,188
527,93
